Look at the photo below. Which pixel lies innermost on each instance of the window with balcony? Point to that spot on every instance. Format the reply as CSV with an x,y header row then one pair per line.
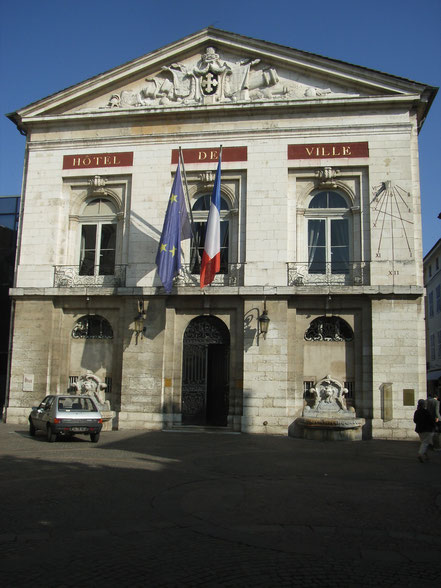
x,y
329,242
200,210
98,238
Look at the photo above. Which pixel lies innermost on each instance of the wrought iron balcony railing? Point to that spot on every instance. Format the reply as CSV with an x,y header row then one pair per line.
x,y
355,273
230,275
71,275
351,273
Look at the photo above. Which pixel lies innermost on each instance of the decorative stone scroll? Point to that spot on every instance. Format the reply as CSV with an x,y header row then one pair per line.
x,y
211,79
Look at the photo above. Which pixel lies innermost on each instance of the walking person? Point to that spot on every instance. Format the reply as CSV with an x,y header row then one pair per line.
x,y
433,408
425,426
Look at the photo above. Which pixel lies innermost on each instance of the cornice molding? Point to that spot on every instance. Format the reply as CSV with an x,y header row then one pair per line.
x,y
301,104
288,133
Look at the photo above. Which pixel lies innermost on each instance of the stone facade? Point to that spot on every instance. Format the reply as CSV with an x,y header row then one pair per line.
x,y
432,282
320,191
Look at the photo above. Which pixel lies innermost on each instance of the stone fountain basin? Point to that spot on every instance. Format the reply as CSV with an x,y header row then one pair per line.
x,y
107,416
326,428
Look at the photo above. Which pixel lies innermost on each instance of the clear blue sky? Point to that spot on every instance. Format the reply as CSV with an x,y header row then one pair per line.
x,y
48,45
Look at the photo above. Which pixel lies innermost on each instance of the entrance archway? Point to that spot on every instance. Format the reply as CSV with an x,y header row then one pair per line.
x,y
205,372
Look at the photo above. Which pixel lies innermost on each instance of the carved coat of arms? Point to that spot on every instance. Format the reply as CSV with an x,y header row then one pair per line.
x,y
213,80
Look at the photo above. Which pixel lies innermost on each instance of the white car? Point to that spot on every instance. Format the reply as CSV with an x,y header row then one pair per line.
x,y
66,415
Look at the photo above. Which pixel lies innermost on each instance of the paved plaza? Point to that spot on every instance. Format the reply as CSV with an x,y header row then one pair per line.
x,y
189,509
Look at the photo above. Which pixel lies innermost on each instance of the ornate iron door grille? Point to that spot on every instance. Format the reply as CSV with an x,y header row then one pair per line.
x,y
200,390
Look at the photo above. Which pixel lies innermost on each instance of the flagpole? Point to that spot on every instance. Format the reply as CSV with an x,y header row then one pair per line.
x,y
181,158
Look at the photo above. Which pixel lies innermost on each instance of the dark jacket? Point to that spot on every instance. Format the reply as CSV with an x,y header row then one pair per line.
x,y
424,422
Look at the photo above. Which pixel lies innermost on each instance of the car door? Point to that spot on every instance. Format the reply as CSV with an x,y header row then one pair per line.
x,y
43,411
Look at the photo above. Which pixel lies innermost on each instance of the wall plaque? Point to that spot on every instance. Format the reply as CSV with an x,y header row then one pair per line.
x,y
408,397
387,407
91,160
211,155
28,382
328,150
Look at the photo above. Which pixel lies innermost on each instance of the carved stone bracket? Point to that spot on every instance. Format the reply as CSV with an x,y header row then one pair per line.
x,y
206,179
326,177
97,185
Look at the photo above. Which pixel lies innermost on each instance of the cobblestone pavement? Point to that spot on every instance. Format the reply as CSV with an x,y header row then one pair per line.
x,y
199,509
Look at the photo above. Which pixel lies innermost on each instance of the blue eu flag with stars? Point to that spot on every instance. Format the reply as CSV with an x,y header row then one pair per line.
x,y
176,228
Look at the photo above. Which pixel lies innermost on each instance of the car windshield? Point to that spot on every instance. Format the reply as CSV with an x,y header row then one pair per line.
x,y
68,403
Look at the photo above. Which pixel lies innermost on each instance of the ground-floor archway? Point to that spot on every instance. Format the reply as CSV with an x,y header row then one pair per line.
x,y
205,372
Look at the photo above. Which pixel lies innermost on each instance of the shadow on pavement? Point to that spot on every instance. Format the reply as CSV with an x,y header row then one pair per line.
x,y
169,509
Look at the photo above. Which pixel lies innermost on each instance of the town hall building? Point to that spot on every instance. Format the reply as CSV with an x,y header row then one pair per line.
x,y
321,246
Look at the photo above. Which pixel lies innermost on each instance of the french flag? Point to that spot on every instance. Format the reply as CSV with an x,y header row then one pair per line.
x,y
210,264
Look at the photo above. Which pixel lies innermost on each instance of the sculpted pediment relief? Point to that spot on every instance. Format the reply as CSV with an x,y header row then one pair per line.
x,y
213,78
213,67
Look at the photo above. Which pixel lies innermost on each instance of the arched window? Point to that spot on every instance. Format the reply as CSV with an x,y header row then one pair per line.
x,y
92,326
329,328
329,243
98,238
200,211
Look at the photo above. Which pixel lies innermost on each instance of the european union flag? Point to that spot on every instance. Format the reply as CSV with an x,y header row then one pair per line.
x,y
176,228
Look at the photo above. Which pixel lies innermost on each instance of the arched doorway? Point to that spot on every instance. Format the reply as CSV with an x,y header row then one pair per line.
x,y
205,372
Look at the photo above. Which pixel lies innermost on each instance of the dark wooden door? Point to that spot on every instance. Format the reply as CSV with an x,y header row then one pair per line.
x,y
217,384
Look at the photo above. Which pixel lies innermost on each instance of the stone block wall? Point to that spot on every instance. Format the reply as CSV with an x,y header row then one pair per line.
x,y
266,406
398,342
36,324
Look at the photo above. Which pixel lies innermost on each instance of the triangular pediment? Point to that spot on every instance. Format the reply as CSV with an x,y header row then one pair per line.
x,y
213,68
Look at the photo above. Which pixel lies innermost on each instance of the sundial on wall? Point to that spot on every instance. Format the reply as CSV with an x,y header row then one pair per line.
x,y
392,214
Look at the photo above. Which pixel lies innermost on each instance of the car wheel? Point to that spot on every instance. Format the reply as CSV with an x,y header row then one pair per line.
x,y
51,436
32,429
94,437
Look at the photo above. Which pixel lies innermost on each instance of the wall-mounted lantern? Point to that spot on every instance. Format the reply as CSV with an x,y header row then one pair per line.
x,y
264,321
139,319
